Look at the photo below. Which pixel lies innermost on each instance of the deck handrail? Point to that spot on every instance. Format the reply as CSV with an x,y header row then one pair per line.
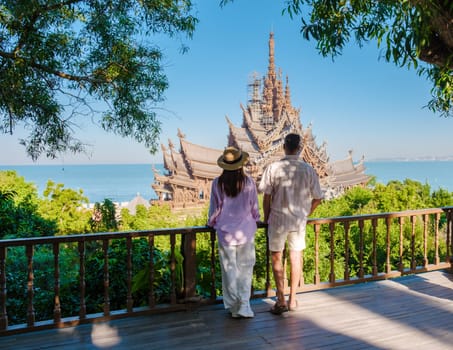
x,y
434,234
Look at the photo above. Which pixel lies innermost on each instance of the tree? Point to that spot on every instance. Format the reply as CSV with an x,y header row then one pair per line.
x,y
19,216
413,33
104,217
65,60
65,206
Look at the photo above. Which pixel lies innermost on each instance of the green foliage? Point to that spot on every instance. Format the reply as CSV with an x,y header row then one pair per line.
x,y
19,216
410,32
162,277
64,60
117,261
378,198
43,270
24,192
394,196
65,206
441,198
104,217
259,275
155,217
204,279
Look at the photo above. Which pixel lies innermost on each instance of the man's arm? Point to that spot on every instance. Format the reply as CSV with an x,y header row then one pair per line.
x,y
266,206
314,204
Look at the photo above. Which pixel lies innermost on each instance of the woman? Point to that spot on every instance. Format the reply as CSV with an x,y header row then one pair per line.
x,y
233,212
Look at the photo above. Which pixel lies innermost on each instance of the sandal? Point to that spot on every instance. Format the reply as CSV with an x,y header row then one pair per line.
x,y
278,309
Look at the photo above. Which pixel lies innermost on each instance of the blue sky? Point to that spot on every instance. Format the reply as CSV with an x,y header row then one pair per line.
x,y
356,102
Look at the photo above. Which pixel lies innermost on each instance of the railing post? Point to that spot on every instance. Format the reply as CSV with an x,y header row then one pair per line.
x,y
332,252
346,251
151,298
105,248
450,238
374,254
268,265
436,240
388,266
361,247
173,268
189,249
413,261
129,300
3,314
401,250
56,264
317,277
213,289
83,310
30,288
425,240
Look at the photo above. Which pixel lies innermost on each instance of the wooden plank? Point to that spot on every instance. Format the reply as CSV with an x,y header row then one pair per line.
x,y
410,312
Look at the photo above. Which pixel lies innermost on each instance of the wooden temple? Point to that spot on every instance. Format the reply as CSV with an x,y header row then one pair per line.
x,y
267,118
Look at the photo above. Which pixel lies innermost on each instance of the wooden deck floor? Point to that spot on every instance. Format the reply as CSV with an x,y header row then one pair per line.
x,y
412,312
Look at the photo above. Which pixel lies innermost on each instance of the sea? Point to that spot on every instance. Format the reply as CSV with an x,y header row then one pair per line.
x,y
122,182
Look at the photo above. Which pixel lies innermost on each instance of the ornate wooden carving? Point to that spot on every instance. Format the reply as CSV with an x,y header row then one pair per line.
x,y
266,120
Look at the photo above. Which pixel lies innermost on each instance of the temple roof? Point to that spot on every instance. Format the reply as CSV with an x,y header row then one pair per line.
x,y
201,160
242,139
181,180
266,119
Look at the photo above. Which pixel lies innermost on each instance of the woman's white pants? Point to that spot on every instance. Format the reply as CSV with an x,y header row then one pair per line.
x,y
236,263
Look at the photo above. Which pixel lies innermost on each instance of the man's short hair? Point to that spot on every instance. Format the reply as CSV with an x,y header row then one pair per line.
x,y
292,142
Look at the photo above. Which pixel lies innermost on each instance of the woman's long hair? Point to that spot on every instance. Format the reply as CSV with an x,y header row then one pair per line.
x,y
231,182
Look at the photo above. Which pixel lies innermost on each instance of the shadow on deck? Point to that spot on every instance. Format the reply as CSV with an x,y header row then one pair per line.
x,y
411,312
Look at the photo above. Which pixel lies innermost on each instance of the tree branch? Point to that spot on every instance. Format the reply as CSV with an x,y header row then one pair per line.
x,y
57,73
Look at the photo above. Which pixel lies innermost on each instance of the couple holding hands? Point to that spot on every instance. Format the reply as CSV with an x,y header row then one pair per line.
x,y
291,193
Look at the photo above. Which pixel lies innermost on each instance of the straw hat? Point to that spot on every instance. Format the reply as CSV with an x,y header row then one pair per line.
x,y
232,159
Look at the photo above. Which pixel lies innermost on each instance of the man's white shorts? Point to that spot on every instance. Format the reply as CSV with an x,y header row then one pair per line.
x,y
296,240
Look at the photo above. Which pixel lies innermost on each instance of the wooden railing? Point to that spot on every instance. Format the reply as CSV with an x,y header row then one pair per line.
x,y
430,229
341,250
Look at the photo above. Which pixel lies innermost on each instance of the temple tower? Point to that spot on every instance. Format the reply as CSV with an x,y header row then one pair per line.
x,y
266,119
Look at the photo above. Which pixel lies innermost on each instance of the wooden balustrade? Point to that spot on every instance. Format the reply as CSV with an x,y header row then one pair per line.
x,y
341,250
396,228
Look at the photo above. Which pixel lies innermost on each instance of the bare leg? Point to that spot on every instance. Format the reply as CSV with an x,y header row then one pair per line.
x,y
296,266
277,268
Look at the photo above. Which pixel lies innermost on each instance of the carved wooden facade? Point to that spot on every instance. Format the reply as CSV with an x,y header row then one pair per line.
x,y
267,118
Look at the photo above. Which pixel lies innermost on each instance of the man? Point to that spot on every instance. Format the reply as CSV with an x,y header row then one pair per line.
x,y
291,193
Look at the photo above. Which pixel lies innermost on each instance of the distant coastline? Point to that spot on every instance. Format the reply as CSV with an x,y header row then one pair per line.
x,y
160,164
413,159
122,182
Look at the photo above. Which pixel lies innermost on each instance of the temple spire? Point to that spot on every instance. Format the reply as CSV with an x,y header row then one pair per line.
x,y
271,69
269,80
288,95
